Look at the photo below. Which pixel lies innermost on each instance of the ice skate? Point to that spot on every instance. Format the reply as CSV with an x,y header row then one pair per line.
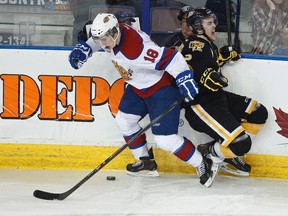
x,y
205,150
147,166
235,166
207,171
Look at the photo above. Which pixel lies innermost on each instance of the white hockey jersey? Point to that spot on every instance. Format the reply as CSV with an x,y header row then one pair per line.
x,y
141,62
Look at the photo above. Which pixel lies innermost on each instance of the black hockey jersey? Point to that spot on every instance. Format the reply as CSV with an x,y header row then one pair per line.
x,y
176,41
200,55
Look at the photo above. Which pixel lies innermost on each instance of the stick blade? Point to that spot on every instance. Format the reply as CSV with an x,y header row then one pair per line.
x,y
46,195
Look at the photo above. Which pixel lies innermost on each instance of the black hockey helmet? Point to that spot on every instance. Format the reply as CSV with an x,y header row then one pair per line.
x,y
123,16
184,10
195,18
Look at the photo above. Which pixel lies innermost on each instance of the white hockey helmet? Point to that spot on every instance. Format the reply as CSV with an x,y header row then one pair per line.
x,y
104,24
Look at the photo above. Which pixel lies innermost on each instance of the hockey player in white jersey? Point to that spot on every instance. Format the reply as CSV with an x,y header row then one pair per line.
x,y
149,71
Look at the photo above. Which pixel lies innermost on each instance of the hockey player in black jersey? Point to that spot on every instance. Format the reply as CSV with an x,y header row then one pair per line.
x,y
234,166
226,117
177,40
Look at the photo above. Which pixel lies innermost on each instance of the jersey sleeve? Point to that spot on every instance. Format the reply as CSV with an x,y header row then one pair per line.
x,y
95,46
161,58
177,65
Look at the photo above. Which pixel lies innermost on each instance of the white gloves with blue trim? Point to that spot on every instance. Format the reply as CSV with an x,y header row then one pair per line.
x,y
187,85
80,54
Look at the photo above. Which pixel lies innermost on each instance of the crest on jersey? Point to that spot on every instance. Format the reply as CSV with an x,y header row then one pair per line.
x,y
126,75
196,45
105,19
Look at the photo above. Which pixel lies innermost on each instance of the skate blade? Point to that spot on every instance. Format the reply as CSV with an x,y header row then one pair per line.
x,y
145,173
214,169
235,172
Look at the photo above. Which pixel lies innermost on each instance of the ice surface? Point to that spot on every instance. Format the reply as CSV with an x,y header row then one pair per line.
x,y
169,194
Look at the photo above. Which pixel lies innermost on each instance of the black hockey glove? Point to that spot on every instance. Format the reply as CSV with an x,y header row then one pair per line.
x,y
213,80
228,53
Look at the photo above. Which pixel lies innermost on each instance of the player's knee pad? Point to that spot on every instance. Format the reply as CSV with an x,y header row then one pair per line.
x,y
169,142
241,145
127,123
259,114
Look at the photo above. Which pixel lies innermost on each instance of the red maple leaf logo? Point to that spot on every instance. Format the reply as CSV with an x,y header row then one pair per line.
x,y
282,121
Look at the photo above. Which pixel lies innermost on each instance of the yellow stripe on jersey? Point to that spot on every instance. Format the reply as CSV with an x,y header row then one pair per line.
x,y
251,106
218,128
226,152
251,128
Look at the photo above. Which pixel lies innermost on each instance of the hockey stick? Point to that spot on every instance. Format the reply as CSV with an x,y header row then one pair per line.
x,y
228,18
61,196
237,25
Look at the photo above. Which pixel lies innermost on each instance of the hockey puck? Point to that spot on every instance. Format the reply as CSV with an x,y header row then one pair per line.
x,y
110,178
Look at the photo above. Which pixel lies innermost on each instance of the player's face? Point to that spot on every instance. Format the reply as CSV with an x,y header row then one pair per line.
x,y
186,31
128,22
210,26
107,42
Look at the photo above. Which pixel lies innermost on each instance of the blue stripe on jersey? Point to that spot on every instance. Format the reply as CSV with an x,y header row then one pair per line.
x,y
166,58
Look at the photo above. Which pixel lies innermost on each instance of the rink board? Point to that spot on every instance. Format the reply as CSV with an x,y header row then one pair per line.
x,y
64,157
55,117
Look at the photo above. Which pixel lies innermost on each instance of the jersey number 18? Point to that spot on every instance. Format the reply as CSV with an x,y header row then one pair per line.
x,y
151,55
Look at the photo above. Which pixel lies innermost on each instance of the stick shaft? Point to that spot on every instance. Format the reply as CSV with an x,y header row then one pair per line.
x,y
237,25
228,18
51,196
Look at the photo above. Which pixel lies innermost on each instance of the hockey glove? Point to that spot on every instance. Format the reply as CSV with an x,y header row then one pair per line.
x,y
213,80
228,53
187,85
80,54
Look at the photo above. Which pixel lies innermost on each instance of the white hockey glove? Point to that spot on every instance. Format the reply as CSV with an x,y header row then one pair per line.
x,y
187,85
80,54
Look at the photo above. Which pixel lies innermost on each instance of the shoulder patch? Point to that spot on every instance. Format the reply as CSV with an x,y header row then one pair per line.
x,y
196,45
